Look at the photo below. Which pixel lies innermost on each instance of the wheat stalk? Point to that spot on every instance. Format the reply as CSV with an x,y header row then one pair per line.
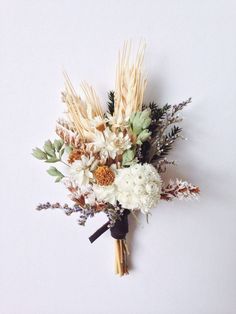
x,y
82,112
67,133
130,83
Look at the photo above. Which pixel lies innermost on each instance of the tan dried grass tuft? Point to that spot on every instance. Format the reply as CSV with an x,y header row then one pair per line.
x,y
82,112
130,83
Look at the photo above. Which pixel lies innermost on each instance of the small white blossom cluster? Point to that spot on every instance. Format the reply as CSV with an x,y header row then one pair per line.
x,y
139,187
180,189
77,191
136,187
184,190
110,144
107,194
81,170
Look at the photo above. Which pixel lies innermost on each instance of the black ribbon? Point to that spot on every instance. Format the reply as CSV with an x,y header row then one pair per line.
x,y
118,231
99,232
121,226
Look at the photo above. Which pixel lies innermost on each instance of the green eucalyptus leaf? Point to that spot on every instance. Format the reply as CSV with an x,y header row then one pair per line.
x,y
54,172
52,160
39,154
128,157
58,144
145,114
132,117
140,121
68,149
49,148
58,179
61,152
143,136
146,122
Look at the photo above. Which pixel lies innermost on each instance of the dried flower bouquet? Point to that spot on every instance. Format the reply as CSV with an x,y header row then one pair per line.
x,y
115,159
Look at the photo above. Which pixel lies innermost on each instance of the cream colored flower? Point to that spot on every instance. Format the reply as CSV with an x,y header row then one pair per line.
x,y
76,192
135,188
138,187
99,123
112,121
105,194
110,144
81,170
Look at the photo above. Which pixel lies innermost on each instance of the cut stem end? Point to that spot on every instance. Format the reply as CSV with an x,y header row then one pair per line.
x,y
121,256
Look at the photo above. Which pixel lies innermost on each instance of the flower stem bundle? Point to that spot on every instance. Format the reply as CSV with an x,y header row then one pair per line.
x,y
121,256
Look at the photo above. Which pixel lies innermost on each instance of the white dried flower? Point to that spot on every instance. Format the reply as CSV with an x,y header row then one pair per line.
x,y
88,194
98,121
112,121
70,183
105,194
138,187
77,191
110,144
135,188
81,170
179,189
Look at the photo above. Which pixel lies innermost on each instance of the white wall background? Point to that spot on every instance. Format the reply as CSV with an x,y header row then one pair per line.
x,y
184,260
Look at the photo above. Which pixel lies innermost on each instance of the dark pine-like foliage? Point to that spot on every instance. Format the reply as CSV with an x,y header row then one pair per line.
x,y
168,141
161,140
157,114
111,102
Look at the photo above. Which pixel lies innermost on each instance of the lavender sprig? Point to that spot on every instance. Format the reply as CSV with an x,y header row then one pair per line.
x,y
84,213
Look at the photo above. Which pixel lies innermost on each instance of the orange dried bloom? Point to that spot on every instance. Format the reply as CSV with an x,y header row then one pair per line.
x,y
104,175
101,127
75,155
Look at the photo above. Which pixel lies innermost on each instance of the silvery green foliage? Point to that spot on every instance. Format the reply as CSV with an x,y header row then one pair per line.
x,y
139,124
140,121
128,158
39,154
52,152
52,171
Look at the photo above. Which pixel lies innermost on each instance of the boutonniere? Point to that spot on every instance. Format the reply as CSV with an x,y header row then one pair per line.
x,y
112,162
